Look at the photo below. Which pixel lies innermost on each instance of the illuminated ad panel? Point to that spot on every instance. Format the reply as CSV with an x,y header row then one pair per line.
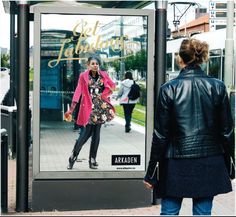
x,y
89,61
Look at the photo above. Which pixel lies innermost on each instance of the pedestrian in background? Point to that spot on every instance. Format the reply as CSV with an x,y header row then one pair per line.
x,y
193,125
128,104
93,95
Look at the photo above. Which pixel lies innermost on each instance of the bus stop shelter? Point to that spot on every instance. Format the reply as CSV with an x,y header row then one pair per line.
x,y
104,187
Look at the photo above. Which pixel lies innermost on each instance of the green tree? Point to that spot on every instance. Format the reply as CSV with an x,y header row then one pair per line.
x,y
5,60
130,63
140,60
116,65
137,61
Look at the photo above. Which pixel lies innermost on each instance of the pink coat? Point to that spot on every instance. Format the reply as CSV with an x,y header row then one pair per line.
x,y
82,90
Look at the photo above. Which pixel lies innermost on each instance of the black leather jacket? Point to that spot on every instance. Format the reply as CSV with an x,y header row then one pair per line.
x,y
193,118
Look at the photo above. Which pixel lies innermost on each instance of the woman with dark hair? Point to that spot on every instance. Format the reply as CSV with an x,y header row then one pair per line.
x,y
128,105
194,128
93,93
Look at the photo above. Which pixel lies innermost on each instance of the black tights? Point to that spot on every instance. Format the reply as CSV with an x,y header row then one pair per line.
x,y
85,133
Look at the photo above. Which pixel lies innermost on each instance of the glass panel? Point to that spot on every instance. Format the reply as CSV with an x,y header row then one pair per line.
x,y
215,52
176,65
232,103
169,62
214,67
66,43
223,68
204,67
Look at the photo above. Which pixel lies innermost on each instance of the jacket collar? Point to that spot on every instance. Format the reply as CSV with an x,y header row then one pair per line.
x,y
86,74
190,71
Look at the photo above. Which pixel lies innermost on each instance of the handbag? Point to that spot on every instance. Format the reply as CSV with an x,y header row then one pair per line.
x,y
229,154
76,110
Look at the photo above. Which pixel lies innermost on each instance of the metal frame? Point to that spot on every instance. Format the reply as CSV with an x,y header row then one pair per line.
x,y
177,19
38,10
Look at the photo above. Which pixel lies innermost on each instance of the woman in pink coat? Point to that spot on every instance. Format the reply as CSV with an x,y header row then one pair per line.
x,y
92,92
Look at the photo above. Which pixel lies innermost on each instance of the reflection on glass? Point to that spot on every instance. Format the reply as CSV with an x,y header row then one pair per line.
x,y
176,65
214,67
169,62
121,43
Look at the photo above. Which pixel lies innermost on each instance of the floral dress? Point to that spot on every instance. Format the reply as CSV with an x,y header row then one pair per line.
x,y
101,110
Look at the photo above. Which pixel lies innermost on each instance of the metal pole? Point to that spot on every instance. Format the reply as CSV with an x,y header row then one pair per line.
x,y
160,55
15,65
229,46
23,109
12,72
160,46
12,139
122,62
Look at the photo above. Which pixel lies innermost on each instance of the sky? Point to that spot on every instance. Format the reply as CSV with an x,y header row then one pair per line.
x,y
5,20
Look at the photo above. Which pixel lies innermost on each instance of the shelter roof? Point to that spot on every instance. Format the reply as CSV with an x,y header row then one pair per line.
x,y
101,4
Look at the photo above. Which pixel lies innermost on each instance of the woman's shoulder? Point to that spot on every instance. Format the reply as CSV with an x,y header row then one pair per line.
x,y
84,72
127,82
